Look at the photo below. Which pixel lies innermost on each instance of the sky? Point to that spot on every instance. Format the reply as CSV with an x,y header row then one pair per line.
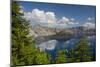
x,y
58,15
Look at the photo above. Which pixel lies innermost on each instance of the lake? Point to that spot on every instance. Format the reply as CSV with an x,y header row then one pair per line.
x,y
51,46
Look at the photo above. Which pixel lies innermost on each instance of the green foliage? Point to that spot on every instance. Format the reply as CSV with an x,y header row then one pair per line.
x,y
41,58
23,49
81,53
61,56
23,45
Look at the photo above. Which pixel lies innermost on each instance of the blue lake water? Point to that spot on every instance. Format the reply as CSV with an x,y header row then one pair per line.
x,y
51,46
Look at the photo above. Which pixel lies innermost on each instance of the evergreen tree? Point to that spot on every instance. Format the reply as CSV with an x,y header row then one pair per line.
x,y
42,58
23,50
61,56
82,52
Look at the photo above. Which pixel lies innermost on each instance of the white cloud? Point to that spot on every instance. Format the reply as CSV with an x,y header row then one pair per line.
x,y
49,18
89,25
90,18
72,19
28,15
38,15
64,20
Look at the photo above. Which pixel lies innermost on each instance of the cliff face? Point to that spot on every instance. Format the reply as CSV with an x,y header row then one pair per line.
x,y
42,31
46,31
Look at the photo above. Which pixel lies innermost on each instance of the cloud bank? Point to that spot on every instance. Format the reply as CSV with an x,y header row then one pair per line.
x,y
89,25
49,19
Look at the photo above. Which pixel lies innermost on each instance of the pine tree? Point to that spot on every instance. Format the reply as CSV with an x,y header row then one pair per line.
x,y
41,57
81,53
61,56
23,49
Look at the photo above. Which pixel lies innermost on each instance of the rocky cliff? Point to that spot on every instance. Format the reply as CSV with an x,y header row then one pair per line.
x,y
46,31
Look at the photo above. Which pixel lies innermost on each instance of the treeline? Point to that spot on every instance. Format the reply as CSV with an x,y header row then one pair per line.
x,y
25,53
